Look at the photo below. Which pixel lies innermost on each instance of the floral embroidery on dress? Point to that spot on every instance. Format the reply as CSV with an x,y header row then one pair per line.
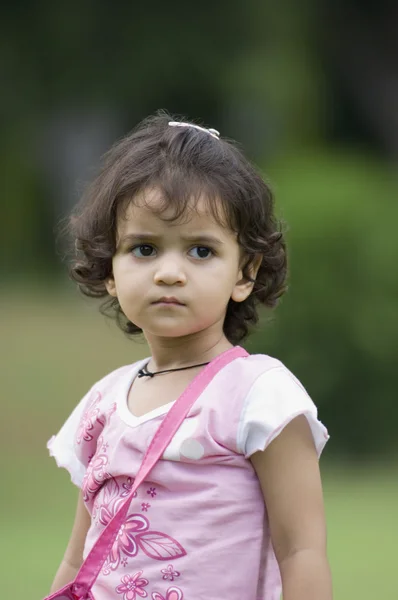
x,y
169,573
173,593
108,503
89,419
152,492
134,534
126,541
145,506
94,476
159,546
132,585
127,487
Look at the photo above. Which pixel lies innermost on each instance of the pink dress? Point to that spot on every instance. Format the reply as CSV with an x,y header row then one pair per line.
x,y
197,530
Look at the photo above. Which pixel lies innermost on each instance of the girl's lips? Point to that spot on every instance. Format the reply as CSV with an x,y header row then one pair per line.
x,y
163,303
169,300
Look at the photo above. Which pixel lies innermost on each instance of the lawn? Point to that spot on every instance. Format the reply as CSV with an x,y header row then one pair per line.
x,y
54,347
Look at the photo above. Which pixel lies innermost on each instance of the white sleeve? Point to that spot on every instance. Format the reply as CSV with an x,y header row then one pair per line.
x,y
274,400
76,442
62,446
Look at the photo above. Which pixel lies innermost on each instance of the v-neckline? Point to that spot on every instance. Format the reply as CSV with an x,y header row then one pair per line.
x,y
122,403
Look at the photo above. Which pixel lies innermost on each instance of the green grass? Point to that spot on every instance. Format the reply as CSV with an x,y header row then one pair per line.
x,y
54,347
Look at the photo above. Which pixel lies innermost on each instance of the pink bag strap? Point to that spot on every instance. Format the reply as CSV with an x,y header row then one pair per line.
x,y
93,564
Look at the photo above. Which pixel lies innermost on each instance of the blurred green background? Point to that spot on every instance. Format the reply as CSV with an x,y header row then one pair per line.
x,y
310,90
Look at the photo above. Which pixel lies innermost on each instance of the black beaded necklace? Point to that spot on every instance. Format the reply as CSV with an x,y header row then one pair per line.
x,y
145,373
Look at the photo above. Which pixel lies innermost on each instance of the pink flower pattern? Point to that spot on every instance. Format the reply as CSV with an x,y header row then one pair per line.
x,y
108,502
173,593
134,534
125,541
95,476
127,487
132,585
169,573
89,419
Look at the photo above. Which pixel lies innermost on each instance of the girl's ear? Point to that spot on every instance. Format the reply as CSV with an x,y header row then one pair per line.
x,y
111,287
243,287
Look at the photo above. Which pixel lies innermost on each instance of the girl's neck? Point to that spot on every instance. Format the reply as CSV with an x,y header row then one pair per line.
x,y
173,353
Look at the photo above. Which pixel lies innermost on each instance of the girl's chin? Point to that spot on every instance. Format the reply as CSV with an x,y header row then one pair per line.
x,y
171,330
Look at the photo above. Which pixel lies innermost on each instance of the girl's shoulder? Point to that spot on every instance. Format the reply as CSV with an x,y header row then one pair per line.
x,y
118,378
263,364
247,370
76,442
114,377
264,361
274,397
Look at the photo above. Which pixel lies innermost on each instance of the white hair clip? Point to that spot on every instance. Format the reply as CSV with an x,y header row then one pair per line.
x,y
213,132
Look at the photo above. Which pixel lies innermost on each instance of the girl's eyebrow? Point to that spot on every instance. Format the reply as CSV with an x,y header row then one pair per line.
x,y
195,237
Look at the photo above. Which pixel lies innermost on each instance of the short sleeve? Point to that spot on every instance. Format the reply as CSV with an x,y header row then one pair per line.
x,y
275,399
76,442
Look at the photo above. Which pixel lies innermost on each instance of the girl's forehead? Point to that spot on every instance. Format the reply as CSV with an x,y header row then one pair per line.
x,y
151,209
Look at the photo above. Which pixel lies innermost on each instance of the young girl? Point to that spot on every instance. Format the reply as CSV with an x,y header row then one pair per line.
x,y
178,234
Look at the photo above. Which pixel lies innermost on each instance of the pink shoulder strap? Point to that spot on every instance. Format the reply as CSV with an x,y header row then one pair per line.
x,y
92,566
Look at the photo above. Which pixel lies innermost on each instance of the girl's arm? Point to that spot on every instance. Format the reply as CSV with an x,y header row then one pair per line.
x,y
289,476
73,557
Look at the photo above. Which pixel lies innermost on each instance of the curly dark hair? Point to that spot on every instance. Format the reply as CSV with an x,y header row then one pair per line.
x,y
184,163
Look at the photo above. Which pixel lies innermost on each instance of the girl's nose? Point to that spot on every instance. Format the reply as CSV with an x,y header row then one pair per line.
x,y
169,271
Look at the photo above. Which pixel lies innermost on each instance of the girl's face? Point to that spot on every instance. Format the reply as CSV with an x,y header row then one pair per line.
x,y
196,262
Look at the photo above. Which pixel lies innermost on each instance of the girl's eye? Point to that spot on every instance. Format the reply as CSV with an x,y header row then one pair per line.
x,y
203,251
146,250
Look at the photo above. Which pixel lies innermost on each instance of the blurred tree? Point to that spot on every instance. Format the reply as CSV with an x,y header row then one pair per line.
x,y
337,328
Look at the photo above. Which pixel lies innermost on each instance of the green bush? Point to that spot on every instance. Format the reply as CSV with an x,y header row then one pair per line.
x,y
337,327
